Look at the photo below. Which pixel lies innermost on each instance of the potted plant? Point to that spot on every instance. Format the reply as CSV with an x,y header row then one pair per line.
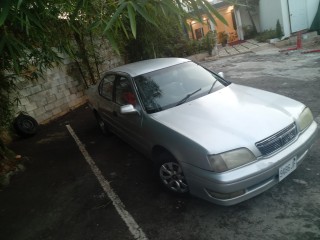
x,y
223,38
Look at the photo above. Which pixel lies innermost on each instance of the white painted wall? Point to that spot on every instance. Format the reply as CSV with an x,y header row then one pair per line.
x,y
312,7
298,15
271,10
245,19
239,24
214,1
285,21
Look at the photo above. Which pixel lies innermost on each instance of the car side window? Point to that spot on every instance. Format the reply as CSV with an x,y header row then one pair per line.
x,y
124,92
106,86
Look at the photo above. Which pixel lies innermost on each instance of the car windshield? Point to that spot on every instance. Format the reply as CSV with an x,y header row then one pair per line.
x,y
172,86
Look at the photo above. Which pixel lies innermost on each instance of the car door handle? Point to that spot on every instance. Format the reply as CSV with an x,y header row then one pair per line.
x,y
115,113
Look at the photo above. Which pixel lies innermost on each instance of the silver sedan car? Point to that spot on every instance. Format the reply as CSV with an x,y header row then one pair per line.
x,y
206,136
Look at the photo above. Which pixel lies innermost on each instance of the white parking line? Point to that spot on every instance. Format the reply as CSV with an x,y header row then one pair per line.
x,y
134,228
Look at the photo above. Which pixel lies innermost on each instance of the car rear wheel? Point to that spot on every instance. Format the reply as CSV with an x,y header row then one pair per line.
x,y
102,125
171,176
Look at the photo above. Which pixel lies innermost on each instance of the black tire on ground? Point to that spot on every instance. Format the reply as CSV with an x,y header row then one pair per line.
x,y
101,124
170,175
25,125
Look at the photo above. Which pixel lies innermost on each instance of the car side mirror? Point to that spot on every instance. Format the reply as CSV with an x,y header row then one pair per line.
x,y
221,74
128,109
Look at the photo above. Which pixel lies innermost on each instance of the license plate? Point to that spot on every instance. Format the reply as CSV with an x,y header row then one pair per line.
x,y
287,168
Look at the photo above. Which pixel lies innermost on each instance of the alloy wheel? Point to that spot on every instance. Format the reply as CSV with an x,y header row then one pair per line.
x,y
172,177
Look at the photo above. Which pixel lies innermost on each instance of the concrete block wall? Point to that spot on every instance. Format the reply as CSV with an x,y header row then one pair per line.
x,y
60,90
51,96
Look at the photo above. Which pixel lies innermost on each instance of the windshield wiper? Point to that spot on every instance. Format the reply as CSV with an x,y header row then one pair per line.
x,y
183,100
212,86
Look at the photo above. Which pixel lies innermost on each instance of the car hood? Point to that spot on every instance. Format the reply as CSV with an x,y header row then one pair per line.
x,y
231,118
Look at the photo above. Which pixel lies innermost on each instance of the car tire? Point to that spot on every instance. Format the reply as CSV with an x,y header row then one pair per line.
x,y
102,125
25,125
171,176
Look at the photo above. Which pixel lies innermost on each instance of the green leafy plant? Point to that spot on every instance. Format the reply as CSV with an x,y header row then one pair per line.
x,y
279,32
34,33
223,38
266,35
210,41
270,34
249,32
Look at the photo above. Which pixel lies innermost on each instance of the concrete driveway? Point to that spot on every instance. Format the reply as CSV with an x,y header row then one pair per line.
x,y
60,197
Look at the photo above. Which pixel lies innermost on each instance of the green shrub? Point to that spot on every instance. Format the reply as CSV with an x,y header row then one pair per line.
x,y
222,38
265,35
210,39
249,32
7,110
279,30
270,34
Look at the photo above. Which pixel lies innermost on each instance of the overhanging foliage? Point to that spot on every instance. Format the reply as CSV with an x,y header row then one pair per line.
x,y
32,33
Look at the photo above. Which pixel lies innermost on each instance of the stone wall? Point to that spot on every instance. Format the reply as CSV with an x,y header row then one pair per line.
x,y
60,90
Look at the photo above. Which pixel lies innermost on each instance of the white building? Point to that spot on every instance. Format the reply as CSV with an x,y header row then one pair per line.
x,y
294,15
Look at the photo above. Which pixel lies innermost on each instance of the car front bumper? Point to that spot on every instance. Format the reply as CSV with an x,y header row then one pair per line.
x,y
240,184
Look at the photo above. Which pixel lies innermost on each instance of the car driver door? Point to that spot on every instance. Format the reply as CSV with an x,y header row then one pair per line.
x,y
128,125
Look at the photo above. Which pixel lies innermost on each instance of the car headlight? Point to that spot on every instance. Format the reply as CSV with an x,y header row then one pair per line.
x,y
229,160
305,119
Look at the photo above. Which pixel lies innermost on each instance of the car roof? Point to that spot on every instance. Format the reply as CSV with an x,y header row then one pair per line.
x,y
142,67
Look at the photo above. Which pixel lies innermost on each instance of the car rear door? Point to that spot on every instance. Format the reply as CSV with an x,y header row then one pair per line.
x,y
106,103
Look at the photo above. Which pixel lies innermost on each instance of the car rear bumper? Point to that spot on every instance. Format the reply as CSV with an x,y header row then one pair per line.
x,y
235,186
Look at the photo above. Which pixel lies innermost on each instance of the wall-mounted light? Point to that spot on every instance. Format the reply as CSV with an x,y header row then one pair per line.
x,y
230,8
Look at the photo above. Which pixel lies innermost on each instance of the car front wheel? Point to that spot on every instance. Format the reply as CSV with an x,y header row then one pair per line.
x,y
171,176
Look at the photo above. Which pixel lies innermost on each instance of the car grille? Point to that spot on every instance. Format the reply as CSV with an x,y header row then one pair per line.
x,y
278,140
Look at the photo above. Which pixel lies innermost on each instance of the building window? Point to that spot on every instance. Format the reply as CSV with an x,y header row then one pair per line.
x,y
199,33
